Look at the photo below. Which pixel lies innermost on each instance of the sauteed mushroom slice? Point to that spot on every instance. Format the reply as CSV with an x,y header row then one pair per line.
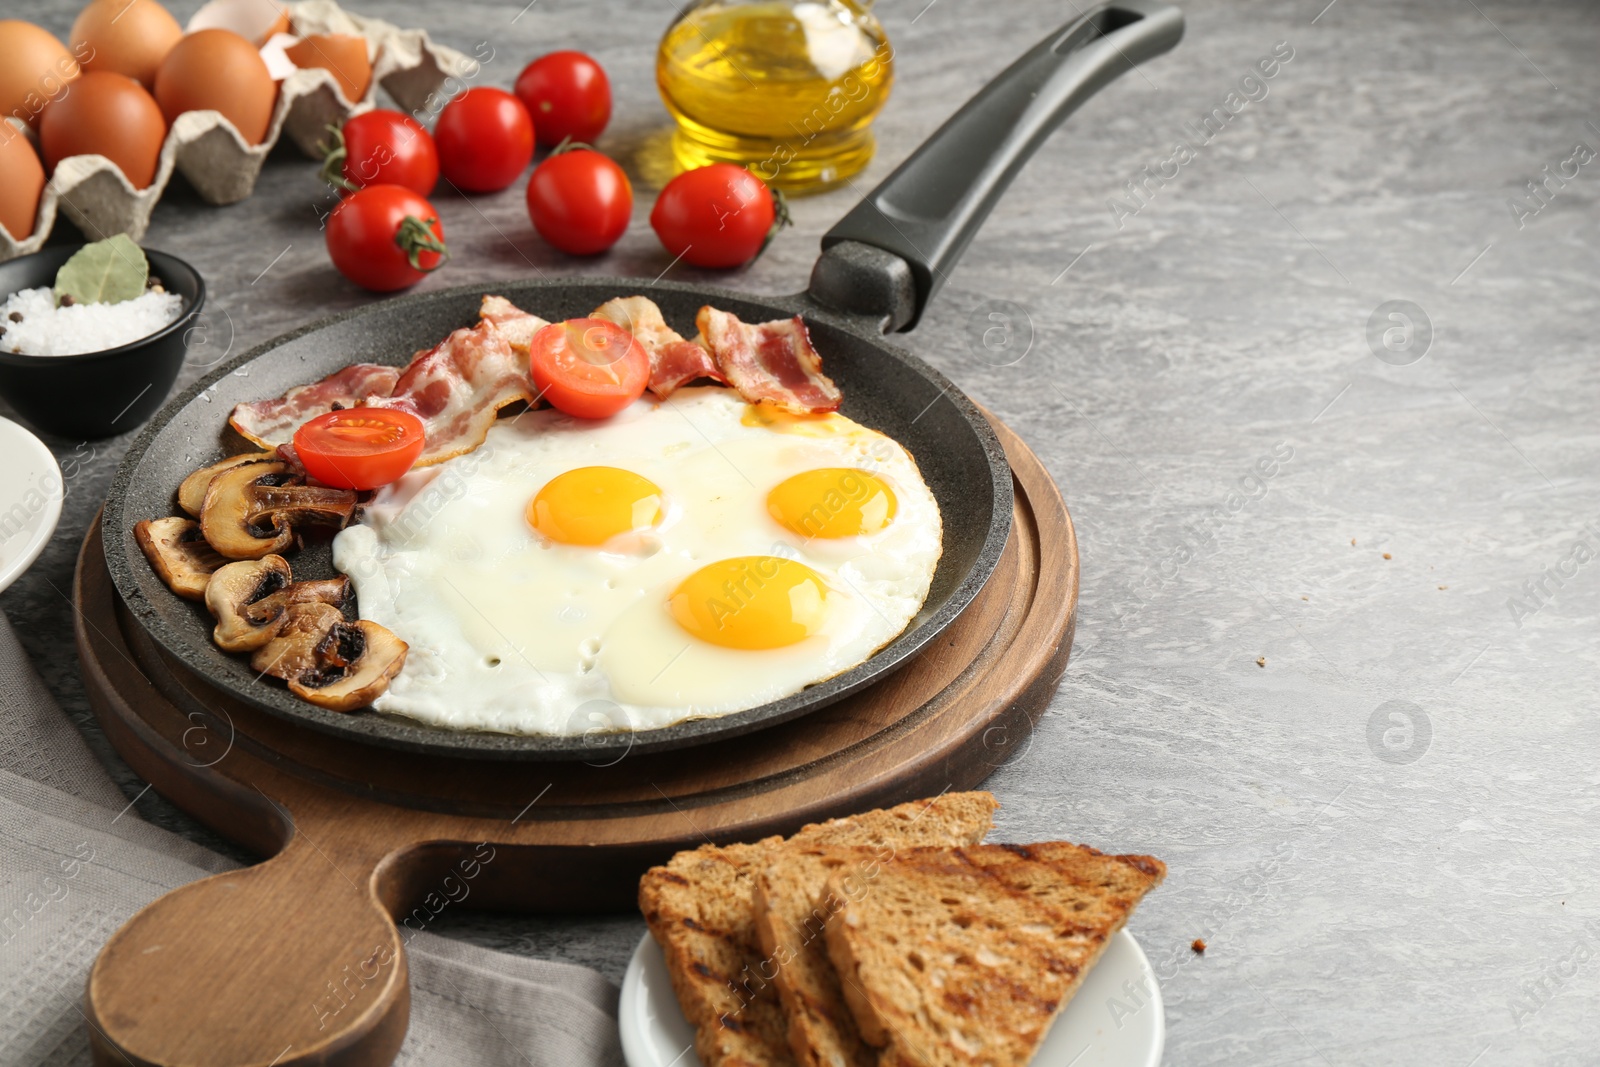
x,y
179,554
293,649
251,510
355,662
239,586
251,597
229,514
192,491
311,591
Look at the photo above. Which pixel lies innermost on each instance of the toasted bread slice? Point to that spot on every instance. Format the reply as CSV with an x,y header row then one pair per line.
x,y
793,906
701,908
792,910
963,956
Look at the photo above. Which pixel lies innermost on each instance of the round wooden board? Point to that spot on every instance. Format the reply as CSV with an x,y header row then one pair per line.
x,y
300,959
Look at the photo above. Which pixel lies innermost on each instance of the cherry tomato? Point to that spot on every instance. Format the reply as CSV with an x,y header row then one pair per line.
x,y
580,201
383,147
590,368
568,95
485,140
385,237
359,448
716,216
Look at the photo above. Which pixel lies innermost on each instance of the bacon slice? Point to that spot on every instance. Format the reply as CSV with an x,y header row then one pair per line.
x,y
674,362
772,362
456,388
677,364
516,326
287,454
270,423
640,316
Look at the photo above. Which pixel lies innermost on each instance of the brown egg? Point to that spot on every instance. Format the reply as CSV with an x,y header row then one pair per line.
x,y
129,37
109,115
21,183
217,70
254,20
342,55
34,67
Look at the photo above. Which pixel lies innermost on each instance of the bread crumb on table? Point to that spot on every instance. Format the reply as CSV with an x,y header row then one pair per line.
x,y
1261,661
1199,946
1387,556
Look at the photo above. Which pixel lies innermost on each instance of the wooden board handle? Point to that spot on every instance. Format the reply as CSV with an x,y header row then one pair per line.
x,y
285,963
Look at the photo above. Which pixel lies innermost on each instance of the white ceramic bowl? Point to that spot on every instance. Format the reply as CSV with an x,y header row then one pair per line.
x,y
31,491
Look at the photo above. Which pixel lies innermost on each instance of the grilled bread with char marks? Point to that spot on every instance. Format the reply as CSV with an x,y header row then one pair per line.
x,y
700,907
962,957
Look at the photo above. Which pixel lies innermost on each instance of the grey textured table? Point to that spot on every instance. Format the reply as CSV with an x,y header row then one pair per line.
x,y
1338,638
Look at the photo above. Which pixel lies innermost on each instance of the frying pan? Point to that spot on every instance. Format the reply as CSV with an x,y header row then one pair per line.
x,y
880,267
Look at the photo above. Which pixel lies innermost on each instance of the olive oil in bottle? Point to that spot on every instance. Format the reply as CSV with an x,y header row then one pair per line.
x,y
787,88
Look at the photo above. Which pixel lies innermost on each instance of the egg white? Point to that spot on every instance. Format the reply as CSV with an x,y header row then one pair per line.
x,y
510,632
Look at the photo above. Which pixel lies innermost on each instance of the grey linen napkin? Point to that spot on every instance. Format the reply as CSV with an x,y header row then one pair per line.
x,y
76,862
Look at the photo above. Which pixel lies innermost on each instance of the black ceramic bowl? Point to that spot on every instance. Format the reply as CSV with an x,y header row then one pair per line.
x,y
98,394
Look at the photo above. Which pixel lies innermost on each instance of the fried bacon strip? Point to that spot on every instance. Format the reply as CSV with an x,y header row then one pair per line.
x,y
270,423
456,388
459,385
772,362
516,325
674,362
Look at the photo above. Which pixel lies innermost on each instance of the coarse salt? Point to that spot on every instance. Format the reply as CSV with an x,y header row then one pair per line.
x,y
47,330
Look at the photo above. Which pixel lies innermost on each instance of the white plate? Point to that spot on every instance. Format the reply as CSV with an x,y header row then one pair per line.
x,y
1116,1019
30,499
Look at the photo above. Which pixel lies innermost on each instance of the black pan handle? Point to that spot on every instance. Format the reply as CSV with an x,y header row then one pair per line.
x,y
889,255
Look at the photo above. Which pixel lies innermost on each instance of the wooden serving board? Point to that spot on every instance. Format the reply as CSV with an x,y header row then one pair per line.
x,y
300,959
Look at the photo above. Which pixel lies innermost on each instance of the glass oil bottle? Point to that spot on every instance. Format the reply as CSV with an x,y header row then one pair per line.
x,y
787,88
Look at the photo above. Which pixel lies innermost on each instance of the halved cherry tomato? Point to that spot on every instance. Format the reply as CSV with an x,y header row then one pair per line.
x,y
359,448
568,96
382,147
590,368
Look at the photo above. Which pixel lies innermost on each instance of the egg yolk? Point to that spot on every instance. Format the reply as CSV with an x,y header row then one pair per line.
x,y
751,602
832,502
591,505
771,417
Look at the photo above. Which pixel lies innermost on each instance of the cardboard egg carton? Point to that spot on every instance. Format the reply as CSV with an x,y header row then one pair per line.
x,y
94,194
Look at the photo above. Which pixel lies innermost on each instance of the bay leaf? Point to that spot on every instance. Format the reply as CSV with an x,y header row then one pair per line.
x,y
104,272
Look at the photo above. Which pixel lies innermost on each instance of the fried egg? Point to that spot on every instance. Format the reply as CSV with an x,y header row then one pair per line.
x,y
686,558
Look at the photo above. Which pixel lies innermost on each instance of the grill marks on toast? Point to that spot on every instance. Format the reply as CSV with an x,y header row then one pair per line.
x,y
962,957
701,909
